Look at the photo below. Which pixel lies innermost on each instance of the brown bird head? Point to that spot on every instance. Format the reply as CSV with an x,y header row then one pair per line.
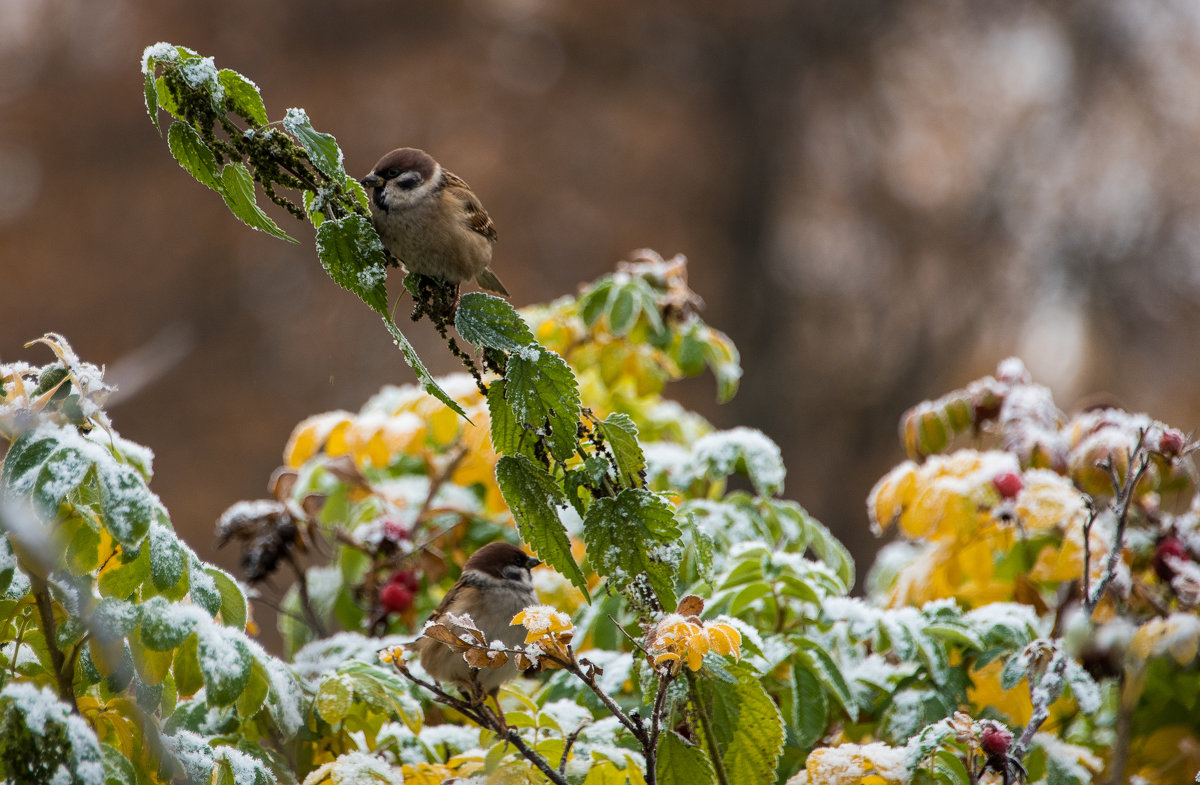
x,y
407,166
502,560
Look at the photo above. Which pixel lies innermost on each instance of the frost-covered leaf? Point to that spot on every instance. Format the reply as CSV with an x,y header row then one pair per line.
x,y
634,536
334,698
682,763
128,505
621,435
486,320
25,458
224,662
151,94
424,378
44,740
165,625
60,474
167,557
194,155
233,602
543,394
117,768
534,497
742,450
247,100
508,437
121,579
203,588
186,668
237,189
386,692
747,725
322,148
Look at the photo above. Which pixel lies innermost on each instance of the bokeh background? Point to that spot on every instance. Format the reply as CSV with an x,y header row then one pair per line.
x,y
879,201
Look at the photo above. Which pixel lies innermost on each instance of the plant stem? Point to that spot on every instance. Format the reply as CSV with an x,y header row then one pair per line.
x,y
710,739
45,606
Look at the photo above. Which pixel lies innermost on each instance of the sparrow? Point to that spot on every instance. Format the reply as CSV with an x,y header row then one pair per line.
x,y
495,586
431,220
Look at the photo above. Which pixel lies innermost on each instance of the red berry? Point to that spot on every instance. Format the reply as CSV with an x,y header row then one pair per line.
x,y
395,531
1169,546
1009,484
995,738
407,579
395,598
1171,442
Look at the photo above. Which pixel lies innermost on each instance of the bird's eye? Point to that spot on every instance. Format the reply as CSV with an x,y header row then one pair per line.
x,y
514,573
391,173
409,180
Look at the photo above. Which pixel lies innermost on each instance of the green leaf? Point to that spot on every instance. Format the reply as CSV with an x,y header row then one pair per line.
x,y
486,320
167,557
533,496
247,100
225,663
233,602
252,698
165,625
621,435
83,550
322,148
194,155
335,697
623,314
542,391
634,536
60,474
203,588
188,678
151,93
117,768
593,303
682,763
25,458
950,768
747,724
352,254
810,708
508,437
128,505
124,579
237,189
812,656
426,380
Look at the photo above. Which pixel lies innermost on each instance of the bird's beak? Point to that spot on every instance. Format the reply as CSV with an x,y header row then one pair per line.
x,y
371,181
532,562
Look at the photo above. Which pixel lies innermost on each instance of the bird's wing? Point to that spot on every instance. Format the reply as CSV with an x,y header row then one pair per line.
x,y
477,218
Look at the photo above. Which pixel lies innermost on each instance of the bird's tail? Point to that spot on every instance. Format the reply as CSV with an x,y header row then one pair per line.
x,y
488,280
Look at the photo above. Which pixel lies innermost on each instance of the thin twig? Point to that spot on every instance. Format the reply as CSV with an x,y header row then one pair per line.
x,y
572,737
1138,463
305,600
41,594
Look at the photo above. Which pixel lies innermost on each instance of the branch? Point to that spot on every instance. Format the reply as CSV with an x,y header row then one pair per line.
x,y
66,685
1139,460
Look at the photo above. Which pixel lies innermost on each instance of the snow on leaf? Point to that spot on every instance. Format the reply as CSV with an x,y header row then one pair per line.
x,y
224,663
486,320
544,396
322,148
623,535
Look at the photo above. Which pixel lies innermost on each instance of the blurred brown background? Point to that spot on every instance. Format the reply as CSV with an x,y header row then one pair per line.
x,y
880,200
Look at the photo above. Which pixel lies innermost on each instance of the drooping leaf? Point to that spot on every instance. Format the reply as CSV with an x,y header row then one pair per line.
x,y
233,602
747,726
682,763
486,320
426,380
322,148
633,537
237,189
621,435
810,708
224,662
193,154
812,656
247,100
203,588
508,437
534,496
543,394
151,94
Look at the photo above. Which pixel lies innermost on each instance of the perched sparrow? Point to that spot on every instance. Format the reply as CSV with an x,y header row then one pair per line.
x,y
431,220
495,586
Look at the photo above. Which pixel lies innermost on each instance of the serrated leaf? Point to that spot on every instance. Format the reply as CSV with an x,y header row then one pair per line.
x,y
334,698
486,320
167,557
194,155
533,496
508,437
424,378
543,394
747,724
810,708
621,435
322,148
630,537
224,662
247,100
352,254
237,189
127,504
812,656
682,763
151,94
233,602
